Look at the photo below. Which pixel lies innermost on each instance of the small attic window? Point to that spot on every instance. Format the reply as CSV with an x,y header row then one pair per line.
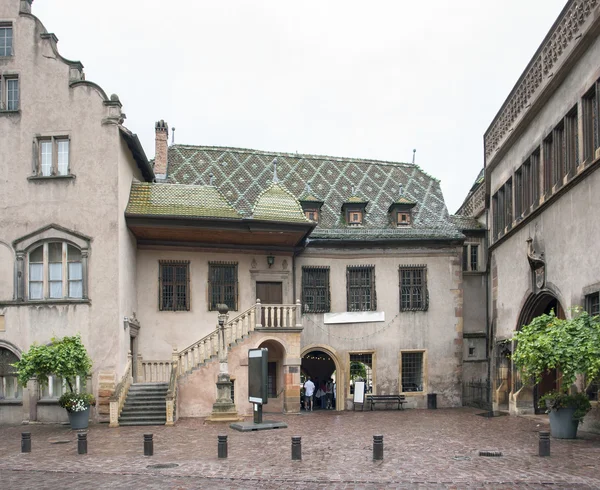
x,y
355,217
312,214
403,218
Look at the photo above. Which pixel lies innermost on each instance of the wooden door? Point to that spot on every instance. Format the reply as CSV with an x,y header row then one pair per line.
x,y
269,293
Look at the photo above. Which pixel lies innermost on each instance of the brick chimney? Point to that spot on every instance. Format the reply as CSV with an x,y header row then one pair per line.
x,y
162,146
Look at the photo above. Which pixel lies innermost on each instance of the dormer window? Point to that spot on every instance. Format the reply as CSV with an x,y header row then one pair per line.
x,y
311,204
354,209
401,211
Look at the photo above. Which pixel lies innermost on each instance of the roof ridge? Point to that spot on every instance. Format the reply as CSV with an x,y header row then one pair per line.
x,y
302,155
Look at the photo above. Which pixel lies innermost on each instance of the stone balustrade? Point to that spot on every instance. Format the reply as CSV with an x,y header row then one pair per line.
x,y
154,371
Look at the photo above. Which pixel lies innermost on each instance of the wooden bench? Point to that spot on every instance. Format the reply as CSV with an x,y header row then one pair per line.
x,y
399,399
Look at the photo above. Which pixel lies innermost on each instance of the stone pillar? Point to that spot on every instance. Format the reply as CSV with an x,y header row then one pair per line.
x,y
291,389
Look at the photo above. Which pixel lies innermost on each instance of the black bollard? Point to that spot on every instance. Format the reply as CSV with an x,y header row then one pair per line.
x,y
222,447
544,443
25,442
296,448
82,442
148,445
377,448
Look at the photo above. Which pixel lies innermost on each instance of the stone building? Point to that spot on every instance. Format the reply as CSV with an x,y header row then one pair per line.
x,y
542,151
341,267
67,258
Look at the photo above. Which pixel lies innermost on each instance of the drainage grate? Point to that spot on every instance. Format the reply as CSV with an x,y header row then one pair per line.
x,y
490,453
162,466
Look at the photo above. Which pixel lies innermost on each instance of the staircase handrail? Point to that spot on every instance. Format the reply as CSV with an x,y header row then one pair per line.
x,y
117,399
171,398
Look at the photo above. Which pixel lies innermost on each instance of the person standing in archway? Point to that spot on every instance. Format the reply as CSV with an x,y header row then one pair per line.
x,y
309,389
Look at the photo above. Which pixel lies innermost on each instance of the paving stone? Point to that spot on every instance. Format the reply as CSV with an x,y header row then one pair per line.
x,y
423,449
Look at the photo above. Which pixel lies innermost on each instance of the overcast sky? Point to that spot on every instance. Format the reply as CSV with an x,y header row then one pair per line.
x,y
371,79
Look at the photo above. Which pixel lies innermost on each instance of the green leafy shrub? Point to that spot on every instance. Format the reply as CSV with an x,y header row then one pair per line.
x,y
64,357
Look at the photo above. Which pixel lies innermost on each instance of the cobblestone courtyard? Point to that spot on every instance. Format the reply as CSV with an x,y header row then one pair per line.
x,y
423,449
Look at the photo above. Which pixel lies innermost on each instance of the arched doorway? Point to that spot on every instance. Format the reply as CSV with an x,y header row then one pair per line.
x,y
539,304
321,364
275,376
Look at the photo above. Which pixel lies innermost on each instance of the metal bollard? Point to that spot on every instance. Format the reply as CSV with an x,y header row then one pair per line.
x,y
25,442
148,445
82,443
222,447
377,448
296,448
544,443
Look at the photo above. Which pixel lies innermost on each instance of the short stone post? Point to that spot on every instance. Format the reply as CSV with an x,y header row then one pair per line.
x,y
222,446
377,448
148,445
296,448
298,313
544,447
25,442
82,442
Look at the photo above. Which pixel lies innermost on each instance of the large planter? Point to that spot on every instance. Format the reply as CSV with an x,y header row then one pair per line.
x,y
79,420
562,424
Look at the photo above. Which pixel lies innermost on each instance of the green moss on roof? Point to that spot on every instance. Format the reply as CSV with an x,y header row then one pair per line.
x,y
198,201
404,200
276,203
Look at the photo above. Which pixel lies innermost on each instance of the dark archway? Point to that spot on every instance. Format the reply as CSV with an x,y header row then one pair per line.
x,y
319,366
539,304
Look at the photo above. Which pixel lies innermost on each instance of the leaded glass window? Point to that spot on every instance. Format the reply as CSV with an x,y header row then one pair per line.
x,y
360,284
413,288
315,289
223,285
174,283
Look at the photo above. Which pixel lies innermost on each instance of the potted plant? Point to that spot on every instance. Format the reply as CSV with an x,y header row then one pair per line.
x,y
572,346
65,358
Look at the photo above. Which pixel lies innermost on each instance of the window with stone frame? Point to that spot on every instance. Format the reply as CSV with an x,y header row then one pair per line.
x,y
6,39
9,387
52,156
413,288
471,257
360,288
174,285
412,371
272,379
315,289
591,128
9,92
571,160
223,285
55,271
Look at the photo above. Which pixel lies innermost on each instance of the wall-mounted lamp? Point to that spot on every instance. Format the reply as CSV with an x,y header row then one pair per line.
x,y
270,260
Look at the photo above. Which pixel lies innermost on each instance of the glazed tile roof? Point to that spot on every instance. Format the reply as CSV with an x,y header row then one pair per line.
x,y
276,203
242,175
465,222
197,201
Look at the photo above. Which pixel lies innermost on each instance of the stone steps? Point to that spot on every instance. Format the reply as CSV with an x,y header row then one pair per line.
x,y
145,405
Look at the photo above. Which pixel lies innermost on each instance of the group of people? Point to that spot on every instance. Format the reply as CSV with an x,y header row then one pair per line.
x,y
321,393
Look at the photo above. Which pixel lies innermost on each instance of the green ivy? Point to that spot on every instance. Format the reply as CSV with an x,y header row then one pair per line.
x,y
63,357
572,346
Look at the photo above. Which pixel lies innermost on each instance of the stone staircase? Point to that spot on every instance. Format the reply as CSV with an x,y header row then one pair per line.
x,y
145,405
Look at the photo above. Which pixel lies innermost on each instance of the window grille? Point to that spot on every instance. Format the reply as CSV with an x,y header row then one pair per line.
x,y
361,368
360,288
223,285
315,289
174,285
413,288
232,390
412,371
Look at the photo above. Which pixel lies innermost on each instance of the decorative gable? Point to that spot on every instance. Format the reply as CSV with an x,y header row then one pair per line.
x,y
400,211
354,209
